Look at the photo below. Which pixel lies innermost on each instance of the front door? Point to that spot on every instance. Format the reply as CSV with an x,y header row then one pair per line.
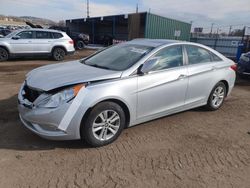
x,y
24,44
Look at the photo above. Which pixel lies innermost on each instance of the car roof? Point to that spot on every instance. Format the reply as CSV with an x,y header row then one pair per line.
x,y
160,42
154,42
40,29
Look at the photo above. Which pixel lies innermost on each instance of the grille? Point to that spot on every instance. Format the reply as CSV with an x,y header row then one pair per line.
x,y
30,94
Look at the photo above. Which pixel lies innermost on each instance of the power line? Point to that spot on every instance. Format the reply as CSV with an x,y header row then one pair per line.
x,y
225,26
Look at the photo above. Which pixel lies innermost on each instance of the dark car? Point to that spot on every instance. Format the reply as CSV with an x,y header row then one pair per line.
x,y
80,39
244,65
105,40
4,32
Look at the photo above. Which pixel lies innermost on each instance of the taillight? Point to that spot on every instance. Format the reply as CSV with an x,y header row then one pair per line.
x,y
71,42
234,67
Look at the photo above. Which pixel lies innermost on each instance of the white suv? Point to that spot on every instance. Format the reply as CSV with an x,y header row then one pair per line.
x,y
30,42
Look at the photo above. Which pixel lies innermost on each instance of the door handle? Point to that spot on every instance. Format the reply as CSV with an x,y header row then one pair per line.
x,y
182,76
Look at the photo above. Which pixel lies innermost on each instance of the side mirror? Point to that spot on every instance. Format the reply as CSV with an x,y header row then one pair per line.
x,y
16,37
147,66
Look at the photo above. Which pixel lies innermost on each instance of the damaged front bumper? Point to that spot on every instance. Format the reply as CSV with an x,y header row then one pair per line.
x,y
44,121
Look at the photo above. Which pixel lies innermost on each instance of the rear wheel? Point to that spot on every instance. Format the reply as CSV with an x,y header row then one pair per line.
x,y
217,97
4,55
58,54
104,124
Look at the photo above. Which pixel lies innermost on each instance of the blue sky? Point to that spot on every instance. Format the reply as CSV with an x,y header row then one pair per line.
x,y
203,13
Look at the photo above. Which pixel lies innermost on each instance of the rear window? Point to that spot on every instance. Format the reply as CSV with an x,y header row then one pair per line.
x,y
197,55
215,57
57,35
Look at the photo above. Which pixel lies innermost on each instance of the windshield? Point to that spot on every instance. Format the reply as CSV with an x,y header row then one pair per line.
x,y
119,57
11,34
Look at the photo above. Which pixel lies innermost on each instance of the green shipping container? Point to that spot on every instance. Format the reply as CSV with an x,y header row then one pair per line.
x,y
158,27
131,26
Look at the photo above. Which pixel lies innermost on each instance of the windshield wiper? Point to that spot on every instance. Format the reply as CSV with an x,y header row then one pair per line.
x,y
98,66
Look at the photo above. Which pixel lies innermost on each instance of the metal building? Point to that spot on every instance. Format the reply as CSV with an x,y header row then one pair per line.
x,y
130,26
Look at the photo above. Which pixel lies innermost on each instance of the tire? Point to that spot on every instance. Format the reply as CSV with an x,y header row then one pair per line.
x,y
58,54
80,45
97,132
4,55
217,97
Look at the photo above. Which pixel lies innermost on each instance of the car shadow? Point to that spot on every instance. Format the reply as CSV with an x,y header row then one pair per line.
x,y
13,135
243,81
31,58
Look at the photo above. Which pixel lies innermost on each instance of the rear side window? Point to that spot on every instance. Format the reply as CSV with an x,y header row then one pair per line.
x,y
57,35
215,57
43,35
198,55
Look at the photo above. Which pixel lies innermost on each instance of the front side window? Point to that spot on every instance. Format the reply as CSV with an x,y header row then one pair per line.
x,y
26,35
197,55
119,57
167,58
43,35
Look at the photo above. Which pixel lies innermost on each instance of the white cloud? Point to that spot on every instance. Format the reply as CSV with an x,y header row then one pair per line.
x,y
214,9
202,12
59,9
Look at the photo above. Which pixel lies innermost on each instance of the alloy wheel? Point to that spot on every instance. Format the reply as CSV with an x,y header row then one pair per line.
x,y
59,54
106,125
3,55
218,96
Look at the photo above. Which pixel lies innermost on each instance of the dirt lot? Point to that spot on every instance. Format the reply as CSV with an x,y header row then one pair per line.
x,y
191,149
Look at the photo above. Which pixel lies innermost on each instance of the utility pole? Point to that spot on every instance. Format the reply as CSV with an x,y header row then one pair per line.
x,y
137,8
87,8
230,29
218,29
212,28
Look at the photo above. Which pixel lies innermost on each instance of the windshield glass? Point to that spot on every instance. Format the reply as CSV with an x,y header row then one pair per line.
x,y
119,57
11,34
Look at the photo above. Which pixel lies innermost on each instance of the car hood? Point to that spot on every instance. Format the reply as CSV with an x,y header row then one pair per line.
x,y
62,74
247,54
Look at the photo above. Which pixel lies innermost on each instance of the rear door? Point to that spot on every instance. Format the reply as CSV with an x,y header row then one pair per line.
x,y
43,41
201,74
24,44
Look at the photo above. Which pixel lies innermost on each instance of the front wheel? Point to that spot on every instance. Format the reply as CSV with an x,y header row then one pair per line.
x,y
4,55
80,45
217,97
104,124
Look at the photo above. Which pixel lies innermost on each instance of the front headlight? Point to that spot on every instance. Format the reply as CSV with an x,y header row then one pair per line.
x,y
244,58
55,100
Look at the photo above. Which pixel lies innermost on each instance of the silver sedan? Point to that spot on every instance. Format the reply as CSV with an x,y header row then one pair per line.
x,y
97,97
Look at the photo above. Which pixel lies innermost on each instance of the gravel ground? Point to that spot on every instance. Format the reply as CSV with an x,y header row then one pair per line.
x,y
195,148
